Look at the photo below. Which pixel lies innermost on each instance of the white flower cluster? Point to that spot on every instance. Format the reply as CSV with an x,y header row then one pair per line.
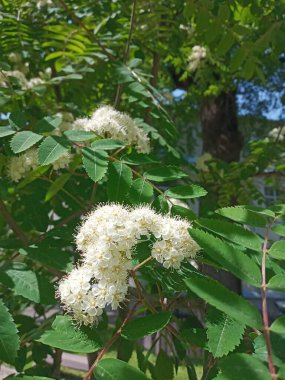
x,y
106,239
277,133
197,55
25,84
20,166
106,121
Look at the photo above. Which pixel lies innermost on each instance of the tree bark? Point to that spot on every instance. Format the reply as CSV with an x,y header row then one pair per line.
x,y
223,140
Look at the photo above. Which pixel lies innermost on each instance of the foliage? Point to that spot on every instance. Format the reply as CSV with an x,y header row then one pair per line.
x,y
60,60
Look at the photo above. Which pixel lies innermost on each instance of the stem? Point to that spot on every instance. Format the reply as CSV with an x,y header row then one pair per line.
x,y
57,363
126,53
13,224
110,342
264,308
134,269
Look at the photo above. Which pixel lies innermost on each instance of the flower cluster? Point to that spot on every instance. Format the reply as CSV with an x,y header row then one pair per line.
x,y
106,239
20,166
25,84
106,121
277,133
197,55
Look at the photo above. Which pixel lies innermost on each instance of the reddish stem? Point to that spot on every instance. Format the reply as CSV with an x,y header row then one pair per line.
x,y
110,342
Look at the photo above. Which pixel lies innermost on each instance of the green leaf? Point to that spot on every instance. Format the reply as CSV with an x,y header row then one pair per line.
x,y
141,191
164,367
165,173
95,163
243,215
277,251
18,119
32,176
277,282
224,333
184,212
119,181
9,340
278,325
79,135
277,345
24,140
52,257
25,282
232,232
6,131
135,158
56,186
195,336
67,337
223,299
51,149
148,325
48,124
186,191
279,229
30,378
107,144
243,366
229,257
114,369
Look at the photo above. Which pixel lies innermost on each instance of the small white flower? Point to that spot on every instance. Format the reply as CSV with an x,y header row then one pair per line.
x,y
197,55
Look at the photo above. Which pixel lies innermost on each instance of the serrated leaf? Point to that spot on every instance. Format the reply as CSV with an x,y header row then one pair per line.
x,y
243,366
67,337
95,163
278,325
119,181
9,340
107,144
186,192
141,191
224,333
229,257
6,131
223,299
115,369
184,212
22,141
51,149
277,282
48,124
56,186
277,345
277,251
24,282
148,325
79,135
243,215
165,173
52,257
232,232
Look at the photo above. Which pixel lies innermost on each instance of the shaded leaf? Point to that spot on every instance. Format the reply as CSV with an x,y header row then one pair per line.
x,y
165,173
56,186
223,299
148,325
107,144
114,369
51,149
243,215
119,181
277,282
141,191
186,192
278,250
9,340
79,135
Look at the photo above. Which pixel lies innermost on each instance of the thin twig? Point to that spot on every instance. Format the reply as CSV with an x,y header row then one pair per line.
x,y
111,342
13,224
126,53
264,307
134,269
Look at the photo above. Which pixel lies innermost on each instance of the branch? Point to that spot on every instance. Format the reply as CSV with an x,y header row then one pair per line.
x,y
126,53
110,342
264,307
13,224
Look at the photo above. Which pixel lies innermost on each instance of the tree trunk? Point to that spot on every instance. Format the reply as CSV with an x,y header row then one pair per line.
x,y
222,139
